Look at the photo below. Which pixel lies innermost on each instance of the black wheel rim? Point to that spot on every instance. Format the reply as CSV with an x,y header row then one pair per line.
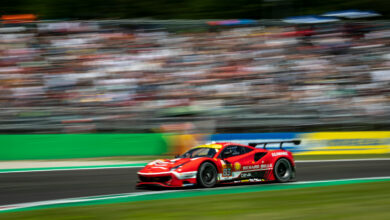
x,y
283,170
208,175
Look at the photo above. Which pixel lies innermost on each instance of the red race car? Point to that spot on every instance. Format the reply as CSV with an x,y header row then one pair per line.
x,y
210,164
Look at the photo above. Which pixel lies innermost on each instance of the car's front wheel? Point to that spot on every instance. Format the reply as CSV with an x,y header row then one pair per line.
x,y
207,175
283,170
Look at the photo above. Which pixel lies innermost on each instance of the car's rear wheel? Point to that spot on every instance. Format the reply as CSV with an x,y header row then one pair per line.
x,y
283,170
207,175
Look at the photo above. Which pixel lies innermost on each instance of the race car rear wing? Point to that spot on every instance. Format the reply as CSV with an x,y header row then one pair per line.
x,y
254,144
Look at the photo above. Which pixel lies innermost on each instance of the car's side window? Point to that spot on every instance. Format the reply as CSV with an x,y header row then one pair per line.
x,y
247,149
234,150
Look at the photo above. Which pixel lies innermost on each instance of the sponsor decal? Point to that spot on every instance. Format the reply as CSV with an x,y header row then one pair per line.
x,y
279,154
226,170
237,166
266,166
258,167
246,175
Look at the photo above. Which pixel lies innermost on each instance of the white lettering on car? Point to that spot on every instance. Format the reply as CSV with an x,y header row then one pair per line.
x,y
258,167
279,154
245,175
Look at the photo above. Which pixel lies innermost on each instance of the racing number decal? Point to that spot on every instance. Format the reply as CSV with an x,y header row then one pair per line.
x,y
226,170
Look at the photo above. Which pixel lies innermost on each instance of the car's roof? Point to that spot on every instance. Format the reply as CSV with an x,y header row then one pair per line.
x,y
214,146
219,145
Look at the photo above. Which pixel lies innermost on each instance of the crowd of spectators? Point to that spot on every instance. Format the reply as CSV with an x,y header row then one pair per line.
x,y
87,76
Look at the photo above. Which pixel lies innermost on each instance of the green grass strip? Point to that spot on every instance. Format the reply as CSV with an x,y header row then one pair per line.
x,y
359,201
120,198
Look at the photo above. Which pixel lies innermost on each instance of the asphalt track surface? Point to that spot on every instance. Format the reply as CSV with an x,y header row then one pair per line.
x,y
39,186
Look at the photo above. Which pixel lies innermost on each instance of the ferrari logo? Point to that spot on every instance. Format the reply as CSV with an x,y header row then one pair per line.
x,y
237,166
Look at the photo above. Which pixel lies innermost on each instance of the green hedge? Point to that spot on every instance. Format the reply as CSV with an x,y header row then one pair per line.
x,y
61,146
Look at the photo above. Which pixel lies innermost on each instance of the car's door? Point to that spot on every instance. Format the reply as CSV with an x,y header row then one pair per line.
x,y
234,158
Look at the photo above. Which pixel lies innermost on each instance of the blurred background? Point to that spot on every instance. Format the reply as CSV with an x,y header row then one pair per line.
x,y
107,86
130,66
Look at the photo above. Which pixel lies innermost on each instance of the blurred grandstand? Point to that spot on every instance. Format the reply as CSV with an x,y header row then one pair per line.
x,y
136,75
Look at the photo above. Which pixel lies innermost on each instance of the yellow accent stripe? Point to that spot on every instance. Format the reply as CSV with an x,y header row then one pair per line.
x,y
215,146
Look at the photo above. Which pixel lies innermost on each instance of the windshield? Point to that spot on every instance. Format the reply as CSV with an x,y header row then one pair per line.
x,y
199,152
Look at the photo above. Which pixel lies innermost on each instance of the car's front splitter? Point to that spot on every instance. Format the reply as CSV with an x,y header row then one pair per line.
x,y
177,179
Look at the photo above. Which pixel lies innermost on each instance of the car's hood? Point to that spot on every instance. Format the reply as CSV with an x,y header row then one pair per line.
x,y
164,165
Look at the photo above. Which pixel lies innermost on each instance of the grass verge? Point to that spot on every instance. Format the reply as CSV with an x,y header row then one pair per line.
x,y
354,201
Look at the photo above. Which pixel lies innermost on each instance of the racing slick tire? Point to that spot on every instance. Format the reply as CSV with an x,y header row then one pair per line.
x,y
207,175
283,170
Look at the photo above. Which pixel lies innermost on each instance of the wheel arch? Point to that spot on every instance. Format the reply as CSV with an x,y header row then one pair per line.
x,y
216,169
290,160
211,161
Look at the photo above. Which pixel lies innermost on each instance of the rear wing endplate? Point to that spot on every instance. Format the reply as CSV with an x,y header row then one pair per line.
x,y
295,142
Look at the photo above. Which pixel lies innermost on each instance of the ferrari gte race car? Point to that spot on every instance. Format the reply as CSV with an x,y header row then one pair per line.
x,y
219,163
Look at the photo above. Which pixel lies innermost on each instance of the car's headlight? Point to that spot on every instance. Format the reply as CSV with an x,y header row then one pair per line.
x,y
175,167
